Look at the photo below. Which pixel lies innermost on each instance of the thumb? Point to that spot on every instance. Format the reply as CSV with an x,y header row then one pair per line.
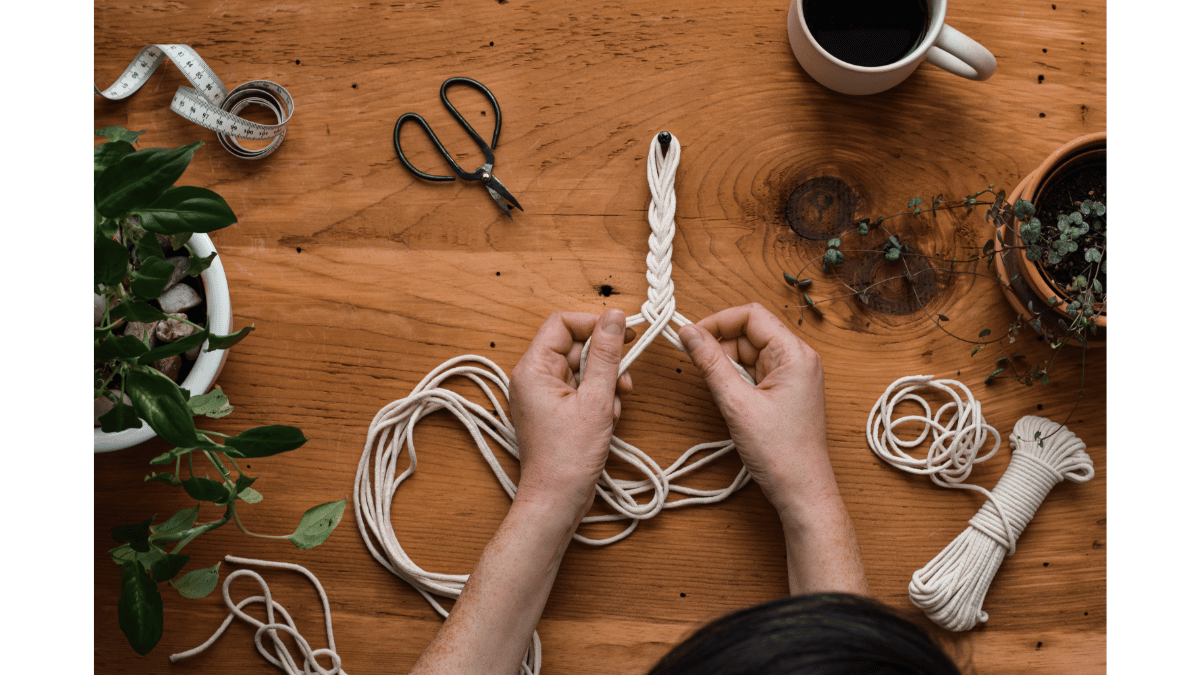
x,y
604,354
723,381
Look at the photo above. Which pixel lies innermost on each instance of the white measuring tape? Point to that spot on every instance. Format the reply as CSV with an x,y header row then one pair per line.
x,y
210,104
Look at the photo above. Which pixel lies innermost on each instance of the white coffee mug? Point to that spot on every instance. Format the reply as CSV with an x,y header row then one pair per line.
x,y
942,46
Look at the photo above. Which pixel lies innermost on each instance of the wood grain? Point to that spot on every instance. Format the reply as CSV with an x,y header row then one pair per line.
x,y
359,279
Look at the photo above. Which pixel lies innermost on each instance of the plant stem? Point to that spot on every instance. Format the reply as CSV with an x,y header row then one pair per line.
x,y
241,527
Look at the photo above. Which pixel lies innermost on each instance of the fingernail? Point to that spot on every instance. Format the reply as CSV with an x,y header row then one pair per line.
x,y
691,338
613,322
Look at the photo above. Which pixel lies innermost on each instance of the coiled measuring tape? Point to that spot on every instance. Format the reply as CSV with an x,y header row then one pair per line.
x,y
209,103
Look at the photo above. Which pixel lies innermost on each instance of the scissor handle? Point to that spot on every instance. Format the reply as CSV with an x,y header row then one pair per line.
x,y
467,125
488,155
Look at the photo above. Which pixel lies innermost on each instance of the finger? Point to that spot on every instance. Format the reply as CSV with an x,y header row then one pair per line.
x,y
625,384
616,409
579,324
723,381
556,336
575,355
604,356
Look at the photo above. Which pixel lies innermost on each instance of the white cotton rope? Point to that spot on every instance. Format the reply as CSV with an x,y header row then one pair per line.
x,y
282,657
951,588
391,432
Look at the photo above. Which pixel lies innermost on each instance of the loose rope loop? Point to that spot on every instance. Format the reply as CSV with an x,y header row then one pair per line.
x,y
282,657
951,588
390,434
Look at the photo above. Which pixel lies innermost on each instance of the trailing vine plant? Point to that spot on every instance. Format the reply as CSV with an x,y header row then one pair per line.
x,y
1077,236
138,212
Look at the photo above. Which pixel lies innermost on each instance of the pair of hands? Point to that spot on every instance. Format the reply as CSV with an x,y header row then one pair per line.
x,y
564,428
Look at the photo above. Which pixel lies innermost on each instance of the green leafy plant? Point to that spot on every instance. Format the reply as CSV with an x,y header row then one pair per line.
x,y
138,210
1075,240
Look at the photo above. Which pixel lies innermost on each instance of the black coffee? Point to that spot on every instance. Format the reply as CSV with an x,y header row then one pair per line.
x,y
867,32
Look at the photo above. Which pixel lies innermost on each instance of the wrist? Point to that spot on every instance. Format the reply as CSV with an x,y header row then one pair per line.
x,y
552,509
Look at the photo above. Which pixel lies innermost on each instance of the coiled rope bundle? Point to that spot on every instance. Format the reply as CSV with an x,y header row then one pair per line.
x,y
391,432
951,588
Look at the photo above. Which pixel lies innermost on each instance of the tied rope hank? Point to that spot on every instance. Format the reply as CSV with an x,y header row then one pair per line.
x,y
282,658
391,432
951,588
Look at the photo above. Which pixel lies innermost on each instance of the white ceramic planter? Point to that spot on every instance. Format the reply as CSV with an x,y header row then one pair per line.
x,y
208,365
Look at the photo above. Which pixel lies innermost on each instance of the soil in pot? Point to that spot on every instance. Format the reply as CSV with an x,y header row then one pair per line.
x,y
1066,189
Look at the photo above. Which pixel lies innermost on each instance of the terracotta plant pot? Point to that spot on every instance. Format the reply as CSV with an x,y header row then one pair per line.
x,y
1023,280
208,365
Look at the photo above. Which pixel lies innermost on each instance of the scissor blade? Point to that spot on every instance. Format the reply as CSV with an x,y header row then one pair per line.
x,y
500,193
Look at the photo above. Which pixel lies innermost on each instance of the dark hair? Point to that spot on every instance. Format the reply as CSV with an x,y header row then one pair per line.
x,y
826,633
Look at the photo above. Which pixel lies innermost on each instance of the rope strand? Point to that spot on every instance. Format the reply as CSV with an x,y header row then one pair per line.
x,y
951,588
391,432
282,657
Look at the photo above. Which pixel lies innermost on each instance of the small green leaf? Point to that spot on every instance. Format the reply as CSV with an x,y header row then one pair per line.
x,y
250,496
1034,252
150,280
139,178
166,568
207,490
892,254
1097,286
989,378
943,317
1023,208
1092,255
119,418
107,154
985,332
118,134
834,257
125,347
213,404
317,524
989,245
162,404
196,264
136,310
172,348
864,228
834,243
147,247
164,477
136,535
140,609
198,583
977,348
216,342
170,455
265,441
914,201
110,261
186,209
183,520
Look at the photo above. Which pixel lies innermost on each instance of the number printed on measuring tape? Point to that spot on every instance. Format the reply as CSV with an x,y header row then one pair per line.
x,y
207,102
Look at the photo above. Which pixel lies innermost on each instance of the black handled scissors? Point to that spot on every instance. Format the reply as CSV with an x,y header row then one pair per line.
x,y
483,173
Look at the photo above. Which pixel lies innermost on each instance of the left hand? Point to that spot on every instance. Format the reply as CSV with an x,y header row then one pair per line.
x,y
564,429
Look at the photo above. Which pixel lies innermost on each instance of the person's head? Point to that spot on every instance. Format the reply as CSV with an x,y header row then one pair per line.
x,y
825,633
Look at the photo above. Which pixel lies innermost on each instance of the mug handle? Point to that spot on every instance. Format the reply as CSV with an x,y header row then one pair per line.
x,y
961,55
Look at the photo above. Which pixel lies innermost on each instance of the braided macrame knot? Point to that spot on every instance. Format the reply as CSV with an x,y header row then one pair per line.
x,y
951,588
391,432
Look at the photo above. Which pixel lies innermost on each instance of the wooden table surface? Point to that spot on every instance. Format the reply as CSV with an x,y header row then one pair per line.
x,y
359,279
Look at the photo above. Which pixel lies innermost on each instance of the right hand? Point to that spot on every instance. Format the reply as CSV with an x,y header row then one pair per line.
x,y
778,425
